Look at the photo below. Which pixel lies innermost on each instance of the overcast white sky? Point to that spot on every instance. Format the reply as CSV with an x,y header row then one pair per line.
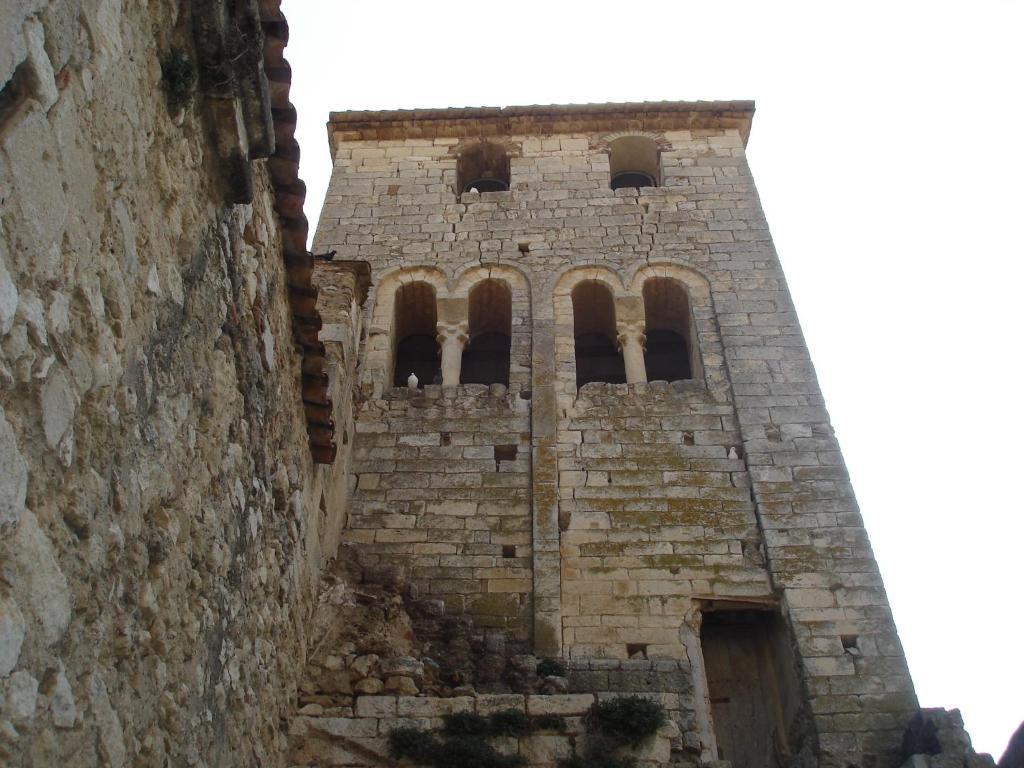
x,y
886,149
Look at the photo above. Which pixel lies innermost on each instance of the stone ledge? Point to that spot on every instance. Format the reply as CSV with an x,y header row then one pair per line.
x,y
546,120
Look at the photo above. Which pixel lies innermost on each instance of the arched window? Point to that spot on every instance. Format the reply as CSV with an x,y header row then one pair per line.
x,y
634,162
667,316
597,355
415,334
485,360
483,167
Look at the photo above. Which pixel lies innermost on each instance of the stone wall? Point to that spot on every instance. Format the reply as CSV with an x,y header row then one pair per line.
x,y
160,531
655,512
443,493
757,508
362,738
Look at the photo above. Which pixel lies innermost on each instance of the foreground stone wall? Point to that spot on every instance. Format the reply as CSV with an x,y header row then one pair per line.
x,y
160,532
758,508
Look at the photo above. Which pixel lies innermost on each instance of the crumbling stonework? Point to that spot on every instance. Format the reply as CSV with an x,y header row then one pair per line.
x,y
371,670
935,738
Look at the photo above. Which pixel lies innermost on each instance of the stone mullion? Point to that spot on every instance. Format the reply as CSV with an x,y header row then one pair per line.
x,y
452,338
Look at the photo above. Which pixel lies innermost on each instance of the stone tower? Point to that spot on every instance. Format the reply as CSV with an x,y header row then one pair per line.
x,y
617,453
231,534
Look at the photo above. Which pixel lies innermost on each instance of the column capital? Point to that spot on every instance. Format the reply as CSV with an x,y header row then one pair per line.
x,y
631,339
452,337
631,331
453,332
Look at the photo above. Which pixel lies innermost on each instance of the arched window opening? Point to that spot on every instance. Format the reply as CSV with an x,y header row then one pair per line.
x,y
634,162
484,167
667,317
485,359
416,349
597,355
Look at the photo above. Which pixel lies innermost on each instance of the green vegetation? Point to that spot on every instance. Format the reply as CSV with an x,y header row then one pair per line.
x,y
412,744
466,724
612,725
597,761
179,76
549,723
512,722
464,751
465,740
551,667
626,721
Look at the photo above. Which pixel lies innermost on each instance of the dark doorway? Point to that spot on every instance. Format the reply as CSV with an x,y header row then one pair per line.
x,y
752,684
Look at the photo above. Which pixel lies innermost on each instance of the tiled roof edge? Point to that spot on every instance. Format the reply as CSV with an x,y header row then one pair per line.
x,y
289,197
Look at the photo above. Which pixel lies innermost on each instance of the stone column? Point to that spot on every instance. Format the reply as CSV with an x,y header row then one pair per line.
x,y
631,340
452,337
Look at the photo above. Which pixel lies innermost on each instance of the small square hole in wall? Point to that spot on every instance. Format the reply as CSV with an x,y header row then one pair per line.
x,y
508,550
849,643
524,247
506,452
446,438
687,438
636,650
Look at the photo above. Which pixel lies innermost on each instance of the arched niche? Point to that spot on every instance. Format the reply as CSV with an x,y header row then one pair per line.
x,y
597,355
484,167
634,161
486,358
415,334
697,291
667,316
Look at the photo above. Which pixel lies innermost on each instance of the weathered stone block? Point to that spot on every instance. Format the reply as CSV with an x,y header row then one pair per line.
x,y
567,704
377,706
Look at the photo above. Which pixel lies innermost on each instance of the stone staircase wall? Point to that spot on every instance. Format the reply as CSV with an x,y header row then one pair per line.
x,y
361,738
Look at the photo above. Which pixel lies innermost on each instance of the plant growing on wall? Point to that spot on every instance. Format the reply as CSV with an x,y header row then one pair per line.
x,y
549,667
613,725
178,75
464,741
